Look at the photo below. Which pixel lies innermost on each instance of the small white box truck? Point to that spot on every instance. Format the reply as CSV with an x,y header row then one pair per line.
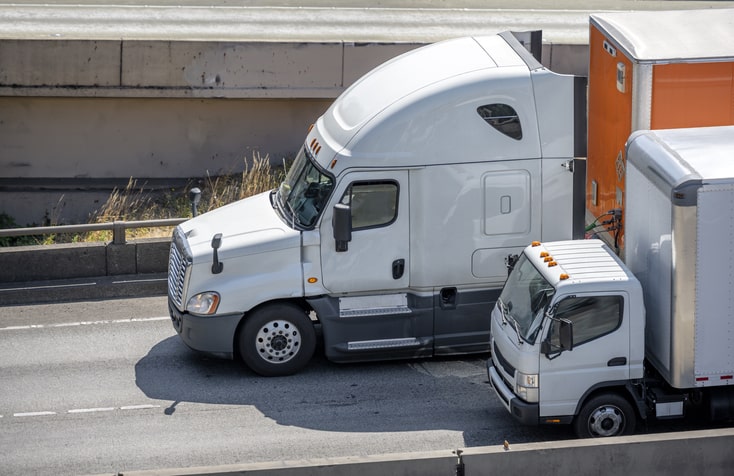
x,y
392,225
580,337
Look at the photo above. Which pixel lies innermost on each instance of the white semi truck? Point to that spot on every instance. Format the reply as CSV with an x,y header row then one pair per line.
x,y
580,337
392,225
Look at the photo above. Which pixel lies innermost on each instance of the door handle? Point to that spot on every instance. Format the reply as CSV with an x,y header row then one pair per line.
x,y
398,268
617,362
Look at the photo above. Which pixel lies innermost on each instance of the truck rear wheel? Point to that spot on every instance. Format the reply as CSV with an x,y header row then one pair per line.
x,y
605,415
277,340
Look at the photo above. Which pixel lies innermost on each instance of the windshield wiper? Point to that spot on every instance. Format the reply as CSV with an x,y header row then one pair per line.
x,y
503,311
517,329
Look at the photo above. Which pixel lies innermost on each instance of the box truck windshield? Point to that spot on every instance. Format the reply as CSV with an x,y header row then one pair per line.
x,y
304,192
523,299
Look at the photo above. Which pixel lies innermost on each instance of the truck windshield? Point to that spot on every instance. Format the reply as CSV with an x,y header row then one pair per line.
x,y
523,299
301,197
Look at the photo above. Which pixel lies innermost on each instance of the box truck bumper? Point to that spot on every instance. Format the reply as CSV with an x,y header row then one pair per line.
x,y
526,413
212,335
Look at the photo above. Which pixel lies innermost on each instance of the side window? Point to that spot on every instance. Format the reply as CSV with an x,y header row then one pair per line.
x,y
502,117
592,317
373,204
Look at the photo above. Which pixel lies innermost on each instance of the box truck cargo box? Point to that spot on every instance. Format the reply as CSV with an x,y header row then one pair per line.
x,y
680,228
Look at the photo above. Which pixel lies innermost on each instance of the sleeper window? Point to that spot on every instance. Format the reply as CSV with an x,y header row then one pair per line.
x,y
503,118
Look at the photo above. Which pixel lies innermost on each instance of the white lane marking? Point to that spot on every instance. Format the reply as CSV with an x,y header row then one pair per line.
x,y
56,286
151,280
85,323
91,410
86,410
139,407
32,414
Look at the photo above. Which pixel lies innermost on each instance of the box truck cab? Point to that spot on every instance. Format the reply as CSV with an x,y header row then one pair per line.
x,y
391,227
580,337
568,338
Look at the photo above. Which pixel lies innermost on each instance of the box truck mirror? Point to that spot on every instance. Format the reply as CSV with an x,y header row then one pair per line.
x,y
342,224
563,341
565,332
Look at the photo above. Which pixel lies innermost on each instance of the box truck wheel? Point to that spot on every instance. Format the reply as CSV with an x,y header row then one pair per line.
x,y
278,339
605,415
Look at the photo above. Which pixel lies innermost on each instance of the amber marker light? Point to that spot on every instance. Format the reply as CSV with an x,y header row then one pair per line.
x,y
313,280
563,277
535,243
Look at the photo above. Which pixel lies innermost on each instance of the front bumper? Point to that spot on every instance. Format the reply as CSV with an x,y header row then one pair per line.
x,y
211,335
526,413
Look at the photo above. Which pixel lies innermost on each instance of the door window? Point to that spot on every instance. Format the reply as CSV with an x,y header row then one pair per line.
x,y
373,203
592,317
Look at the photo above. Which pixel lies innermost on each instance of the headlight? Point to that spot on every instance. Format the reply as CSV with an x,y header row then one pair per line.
x,y
203,303
526,387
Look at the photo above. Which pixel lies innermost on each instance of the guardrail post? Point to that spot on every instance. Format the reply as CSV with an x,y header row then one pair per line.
x,y
118,232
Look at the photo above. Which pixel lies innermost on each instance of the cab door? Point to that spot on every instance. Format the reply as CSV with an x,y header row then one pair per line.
x,y
377,258
600,351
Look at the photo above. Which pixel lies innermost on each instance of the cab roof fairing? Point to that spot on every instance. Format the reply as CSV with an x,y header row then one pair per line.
x,y
425,124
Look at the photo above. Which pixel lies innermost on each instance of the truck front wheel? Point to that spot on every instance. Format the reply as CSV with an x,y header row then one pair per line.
x,y
605,415
277,340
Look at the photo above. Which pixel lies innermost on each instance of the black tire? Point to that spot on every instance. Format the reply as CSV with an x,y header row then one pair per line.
x,y
605,415
277,340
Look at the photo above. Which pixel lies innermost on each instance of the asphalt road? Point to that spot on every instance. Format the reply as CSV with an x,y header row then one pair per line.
x,y
105,387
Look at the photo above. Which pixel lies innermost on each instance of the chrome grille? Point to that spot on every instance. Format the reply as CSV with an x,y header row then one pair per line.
x,y
178,264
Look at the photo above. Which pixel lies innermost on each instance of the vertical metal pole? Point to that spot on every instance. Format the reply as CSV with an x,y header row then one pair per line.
x,y
118,232
459,463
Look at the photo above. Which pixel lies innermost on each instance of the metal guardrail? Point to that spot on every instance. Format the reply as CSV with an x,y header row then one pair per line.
x,y
118,228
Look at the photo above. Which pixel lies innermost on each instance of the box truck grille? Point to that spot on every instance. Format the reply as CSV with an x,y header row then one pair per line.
x,y
509,369
178,264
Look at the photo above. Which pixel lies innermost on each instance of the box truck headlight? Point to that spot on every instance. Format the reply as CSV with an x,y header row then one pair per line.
x,y
203,303
526,387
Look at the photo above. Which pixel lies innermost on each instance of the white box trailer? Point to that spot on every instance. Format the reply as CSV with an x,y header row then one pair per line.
x,y
573,340
679,225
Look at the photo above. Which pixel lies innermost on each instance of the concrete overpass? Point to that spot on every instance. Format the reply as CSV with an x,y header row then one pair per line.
x,y
91,94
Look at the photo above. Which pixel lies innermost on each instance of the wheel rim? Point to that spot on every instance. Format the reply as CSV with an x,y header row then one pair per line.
x,y
607,420
278,341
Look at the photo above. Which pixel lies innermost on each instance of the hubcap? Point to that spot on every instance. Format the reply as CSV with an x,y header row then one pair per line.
x,y
606,421
278,341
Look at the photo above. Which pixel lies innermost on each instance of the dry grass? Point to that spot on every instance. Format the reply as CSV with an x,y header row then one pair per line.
x,y
134,203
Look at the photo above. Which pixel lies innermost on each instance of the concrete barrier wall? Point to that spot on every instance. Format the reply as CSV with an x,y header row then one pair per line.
x,y
83,260
700,452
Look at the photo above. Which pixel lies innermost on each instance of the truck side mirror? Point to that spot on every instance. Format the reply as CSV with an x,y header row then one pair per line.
x,y
565,340
342,224
565,333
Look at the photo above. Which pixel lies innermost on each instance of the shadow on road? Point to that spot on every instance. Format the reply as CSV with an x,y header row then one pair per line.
x,y
436,394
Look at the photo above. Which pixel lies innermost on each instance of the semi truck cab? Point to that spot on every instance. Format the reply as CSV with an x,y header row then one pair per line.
x,y
392,224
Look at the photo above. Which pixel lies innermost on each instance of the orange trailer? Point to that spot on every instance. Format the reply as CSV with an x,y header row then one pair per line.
x,y
652,70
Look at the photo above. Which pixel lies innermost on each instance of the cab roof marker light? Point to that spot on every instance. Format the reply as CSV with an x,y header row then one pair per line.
x,y
333,163
318,149
548,259
310,128
552,264
563,276
312,143
543,254
535,243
